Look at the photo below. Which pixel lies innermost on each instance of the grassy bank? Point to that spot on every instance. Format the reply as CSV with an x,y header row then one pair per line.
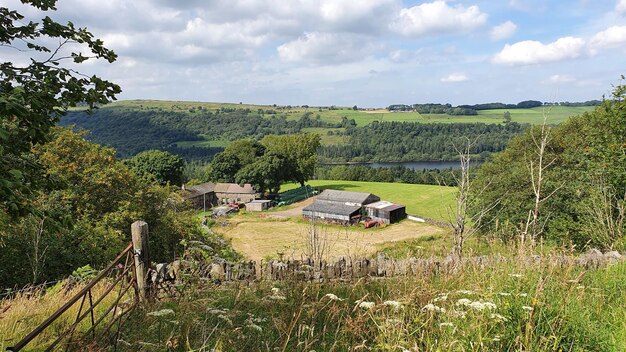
x,y
504,308
422,200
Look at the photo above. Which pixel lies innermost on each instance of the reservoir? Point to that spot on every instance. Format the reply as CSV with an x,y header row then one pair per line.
x,y
417,165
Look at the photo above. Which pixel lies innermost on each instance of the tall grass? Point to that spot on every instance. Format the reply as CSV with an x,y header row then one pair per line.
x,y
508,307
23,312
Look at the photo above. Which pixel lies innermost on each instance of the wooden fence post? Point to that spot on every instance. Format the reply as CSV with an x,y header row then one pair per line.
x,y
139,230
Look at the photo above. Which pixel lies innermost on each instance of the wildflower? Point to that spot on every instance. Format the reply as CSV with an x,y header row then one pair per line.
x,y
255,327
395,304
333,297
516,275
161,313
365,305
225,319
459,314
276,297
506,294
441,325
441,298
465,292
463,302
528,308
482,305
433,308
275,290
216,311
498,317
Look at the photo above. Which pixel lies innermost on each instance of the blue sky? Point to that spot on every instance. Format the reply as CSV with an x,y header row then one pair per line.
x,y
372,53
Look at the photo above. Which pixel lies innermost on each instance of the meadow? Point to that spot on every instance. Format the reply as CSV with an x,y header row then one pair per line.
x,y
511,306
556,114
420,200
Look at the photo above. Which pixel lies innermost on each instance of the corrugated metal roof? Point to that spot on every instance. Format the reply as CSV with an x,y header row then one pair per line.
x,y
323,206
384,205
345,196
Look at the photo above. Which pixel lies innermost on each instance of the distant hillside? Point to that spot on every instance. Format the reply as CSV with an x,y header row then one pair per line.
x,y
198,130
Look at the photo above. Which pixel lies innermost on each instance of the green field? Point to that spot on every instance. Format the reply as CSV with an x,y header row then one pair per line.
x,y
556,114
420,200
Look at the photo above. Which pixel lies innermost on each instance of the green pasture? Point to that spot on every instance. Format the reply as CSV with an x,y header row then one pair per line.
x,y
556,114
420,200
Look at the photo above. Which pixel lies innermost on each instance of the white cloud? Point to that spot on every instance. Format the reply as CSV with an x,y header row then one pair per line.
x,y
455,77
620,6
562,79
326,48
503,31
612,37
530,52
437,18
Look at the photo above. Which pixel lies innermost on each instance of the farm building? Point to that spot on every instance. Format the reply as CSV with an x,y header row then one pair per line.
x,y
258,205
234,193
386,211
339,206
206,195
202,196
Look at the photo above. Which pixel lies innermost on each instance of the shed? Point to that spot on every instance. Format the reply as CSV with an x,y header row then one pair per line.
x,y
355,198
258,205
332,211
386,211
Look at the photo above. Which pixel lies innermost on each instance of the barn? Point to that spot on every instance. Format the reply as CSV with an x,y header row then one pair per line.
x,y
386,211
206,195
339,206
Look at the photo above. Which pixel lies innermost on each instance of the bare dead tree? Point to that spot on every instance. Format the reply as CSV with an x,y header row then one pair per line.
x,y
317,241
37,256
463,223
537,165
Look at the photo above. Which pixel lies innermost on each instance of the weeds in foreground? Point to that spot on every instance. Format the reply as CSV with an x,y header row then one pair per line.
x,y
504,308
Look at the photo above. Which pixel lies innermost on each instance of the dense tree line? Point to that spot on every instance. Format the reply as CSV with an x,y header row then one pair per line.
x,y
399,174
404,141
583,193
131,131
83,211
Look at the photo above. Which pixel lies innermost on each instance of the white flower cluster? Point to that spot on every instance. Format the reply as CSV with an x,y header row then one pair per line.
x,y
161,313
394,304
333,297
365,304
477,305
441,297
433,308
498,317
465,292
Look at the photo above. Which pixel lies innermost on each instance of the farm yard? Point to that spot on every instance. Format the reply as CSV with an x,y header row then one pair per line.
x,y
272,234
282,231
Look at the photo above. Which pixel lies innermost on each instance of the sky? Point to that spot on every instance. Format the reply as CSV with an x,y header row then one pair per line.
x,y
369,53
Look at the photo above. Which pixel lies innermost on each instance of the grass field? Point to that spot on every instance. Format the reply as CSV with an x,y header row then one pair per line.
x,y
557,114
420,200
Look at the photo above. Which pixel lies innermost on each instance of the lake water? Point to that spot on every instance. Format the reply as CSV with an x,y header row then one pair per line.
x,y
419,165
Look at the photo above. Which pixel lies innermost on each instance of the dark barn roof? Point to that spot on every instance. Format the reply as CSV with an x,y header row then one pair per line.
x,y
326,207
347,197
201,189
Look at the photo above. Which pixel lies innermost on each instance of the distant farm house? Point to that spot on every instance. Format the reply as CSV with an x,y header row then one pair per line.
x,y
206,195
339,206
